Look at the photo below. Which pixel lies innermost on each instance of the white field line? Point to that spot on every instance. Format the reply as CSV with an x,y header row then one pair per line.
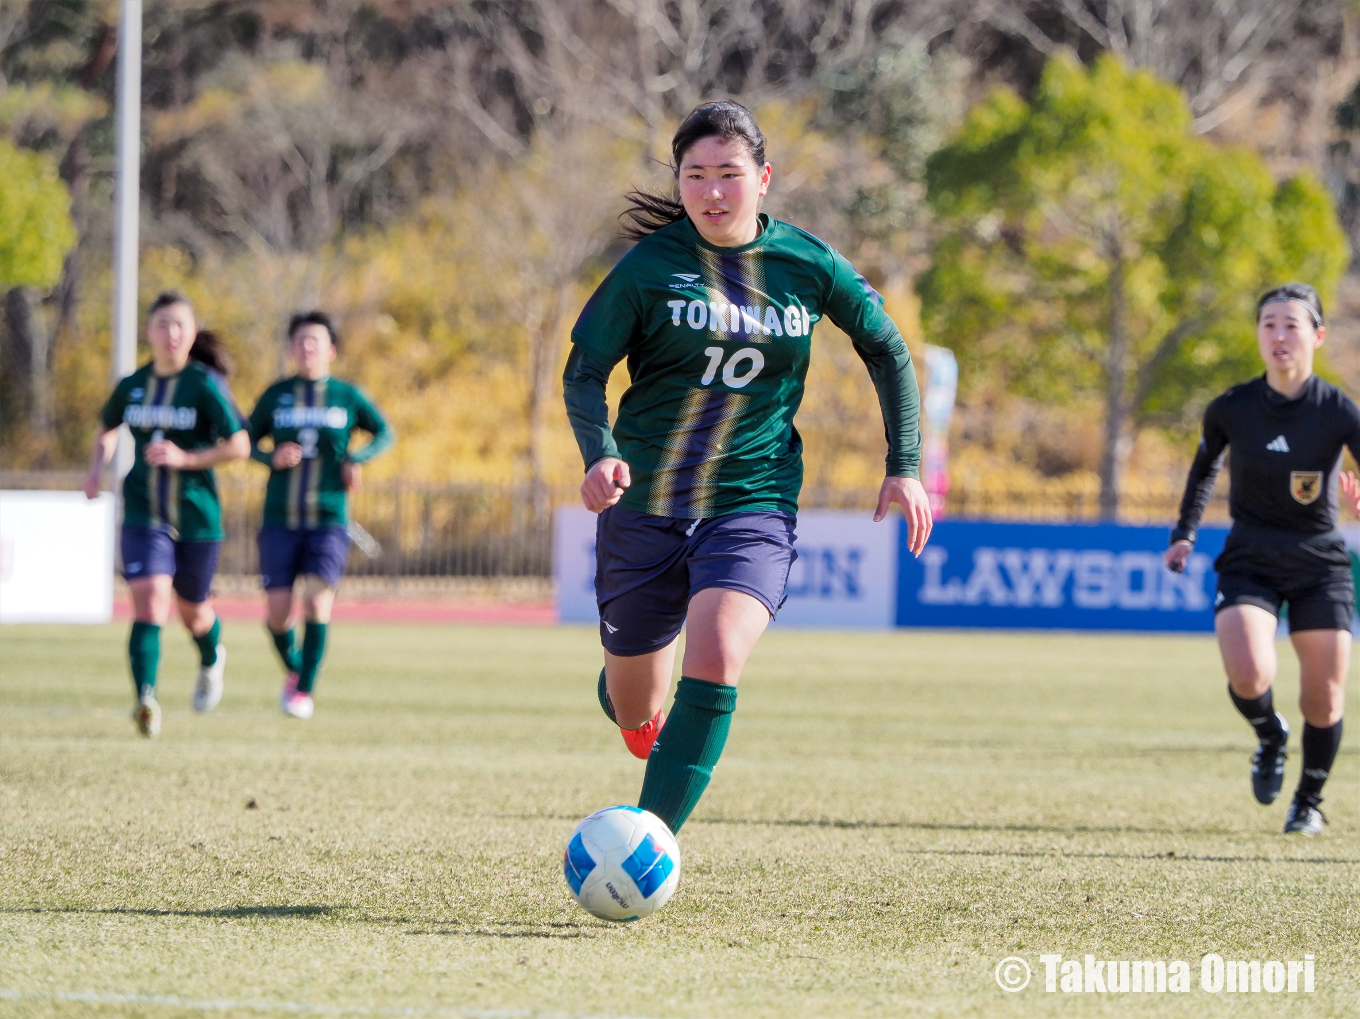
x,y
264,1006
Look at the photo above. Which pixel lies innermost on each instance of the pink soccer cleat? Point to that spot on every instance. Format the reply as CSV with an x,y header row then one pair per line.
x,y
292,701
639,741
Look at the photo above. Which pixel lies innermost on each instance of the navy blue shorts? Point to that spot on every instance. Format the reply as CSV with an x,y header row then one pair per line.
x,y
649,567
285,555
150,552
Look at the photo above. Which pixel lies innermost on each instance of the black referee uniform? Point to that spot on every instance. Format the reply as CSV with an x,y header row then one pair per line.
x,y
1284,546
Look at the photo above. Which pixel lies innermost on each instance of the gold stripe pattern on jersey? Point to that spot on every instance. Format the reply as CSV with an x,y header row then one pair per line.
x,y
313,514
719,445
295,472
735,285
662,500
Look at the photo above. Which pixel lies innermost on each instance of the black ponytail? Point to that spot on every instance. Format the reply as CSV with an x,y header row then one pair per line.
x,y
209,351
1300,292
723,119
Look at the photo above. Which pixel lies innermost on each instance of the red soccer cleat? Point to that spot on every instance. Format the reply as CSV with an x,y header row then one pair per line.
x,y
639,741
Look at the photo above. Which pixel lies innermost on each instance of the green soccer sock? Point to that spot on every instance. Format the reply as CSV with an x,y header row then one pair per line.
x,y
144,654
605,702
287,649
692,740
207,644
313,650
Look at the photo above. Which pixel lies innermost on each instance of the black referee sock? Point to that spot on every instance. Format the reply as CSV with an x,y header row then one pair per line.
x,y
1319,751
1260,712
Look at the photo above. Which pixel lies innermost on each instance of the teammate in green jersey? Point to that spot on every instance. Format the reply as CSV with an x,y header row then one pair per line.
x,y
309,418
697,482
183,424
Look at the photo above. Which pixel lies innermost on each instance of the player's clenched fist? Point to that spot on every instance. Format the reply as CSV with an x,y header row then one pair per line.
x,y
604,484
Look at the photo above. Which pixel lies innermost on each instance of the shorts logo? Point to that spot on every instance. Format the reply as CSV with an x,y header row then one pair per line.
x,y
611,629
134,567
1218,599
1305,486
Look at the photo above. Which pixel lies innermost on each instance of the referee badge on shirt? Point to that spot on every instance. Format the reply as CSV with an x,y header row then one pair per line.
x,y
1305,486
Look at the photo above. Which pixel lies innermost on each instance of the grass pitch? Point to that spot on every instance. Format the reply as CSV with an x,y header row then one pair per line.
x,y
896,813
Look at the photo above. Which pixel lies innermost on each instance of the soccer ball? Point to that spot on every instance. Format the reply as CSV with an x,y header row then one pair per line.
x,y
622,863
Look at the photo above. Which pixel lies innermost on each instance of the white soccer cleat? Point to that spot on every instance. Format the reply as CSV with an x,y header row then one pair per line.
x,y
208,689
297,705
147,715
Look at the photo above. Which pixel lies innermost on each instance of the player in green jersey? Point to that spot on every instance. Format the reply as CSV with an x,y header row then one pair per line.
x,y
697,482
309,418
183,424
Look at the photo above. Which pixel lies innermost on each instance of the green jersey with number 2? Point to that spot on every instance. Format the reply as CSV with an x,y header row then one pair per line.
x,y
717,342
319,415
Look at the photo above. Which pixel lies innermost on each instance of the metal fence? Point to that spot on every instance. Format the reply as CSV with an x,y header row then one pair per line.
x,y
416,529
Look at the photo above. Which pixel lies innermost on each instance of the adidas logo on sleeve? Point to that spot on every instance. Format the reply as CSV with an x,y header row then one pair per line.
x,y
1278,445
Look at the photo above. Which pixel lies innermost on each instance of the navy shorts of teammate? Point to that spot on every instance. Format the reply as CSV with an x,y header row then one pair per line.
x,y
1311,574
153,551
287,554
649,567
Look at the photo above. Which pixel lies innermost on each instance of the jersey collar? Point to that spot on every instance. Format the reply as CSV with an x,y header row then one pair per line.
x,y
1274,398
765,228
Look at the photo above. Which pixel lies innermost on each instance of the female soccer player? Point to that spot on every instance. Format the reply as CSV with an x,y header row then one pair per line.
x,y
697,482
1286,430
183,425
310,418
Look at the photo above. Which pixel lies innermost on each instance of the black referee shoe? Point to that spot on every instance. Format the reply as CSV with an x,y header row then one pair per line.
x,y
1304,818
1267,766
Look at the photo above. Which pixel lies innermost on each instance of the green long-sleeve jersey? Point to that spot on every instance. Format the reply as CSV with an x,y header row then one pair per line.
x,y
320,416
190,410
718,342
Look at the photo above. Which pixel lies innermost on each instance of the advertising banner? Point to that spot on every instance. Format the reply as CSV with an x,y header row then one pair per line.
x,y
1047,576
845,574
56,557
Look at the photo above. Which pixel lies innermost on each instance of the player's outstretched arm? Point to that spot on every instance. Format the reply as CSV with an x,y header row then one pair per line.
x,y
583,390
911,496
100,454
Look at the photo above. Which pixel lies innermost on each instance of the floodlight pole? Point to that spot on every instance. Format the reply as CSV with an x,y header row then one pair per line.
x,y
127,192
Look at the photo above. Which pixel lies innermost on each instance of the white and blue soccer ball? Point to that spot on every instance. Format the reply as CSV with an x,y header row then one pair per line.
x,y
622,863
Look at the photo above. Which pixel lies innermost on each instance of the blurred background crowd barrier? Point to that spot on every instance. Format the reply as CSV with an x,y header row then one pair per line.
x,y
419,529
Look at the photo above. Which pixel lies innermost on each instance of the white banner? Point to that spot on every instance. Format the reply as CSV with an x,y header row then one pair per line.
x,y
845,575
56,557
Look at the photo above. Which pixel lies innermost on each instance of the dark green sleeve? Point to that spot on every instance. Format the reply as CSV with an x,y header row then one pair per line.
x,y
858,309
370,419
611,318
111,416
261,422
583,389
221,411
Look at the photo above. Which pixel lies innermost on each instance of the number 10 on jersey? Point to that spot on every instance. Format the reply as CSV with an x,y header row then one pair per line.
x,y
735,373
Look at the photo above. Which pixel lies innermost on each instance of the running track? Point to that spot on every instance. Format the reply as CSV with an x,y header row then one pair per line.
x,y
393,611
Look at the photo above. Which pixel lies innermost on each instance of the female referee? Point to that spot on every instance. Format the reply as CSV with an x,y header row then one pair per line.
x,y
1286,430
697,482
183,424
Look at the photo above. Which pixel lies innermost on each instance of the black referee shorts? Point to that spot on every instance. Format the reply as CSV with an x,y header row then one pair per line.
x,y
1309,573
